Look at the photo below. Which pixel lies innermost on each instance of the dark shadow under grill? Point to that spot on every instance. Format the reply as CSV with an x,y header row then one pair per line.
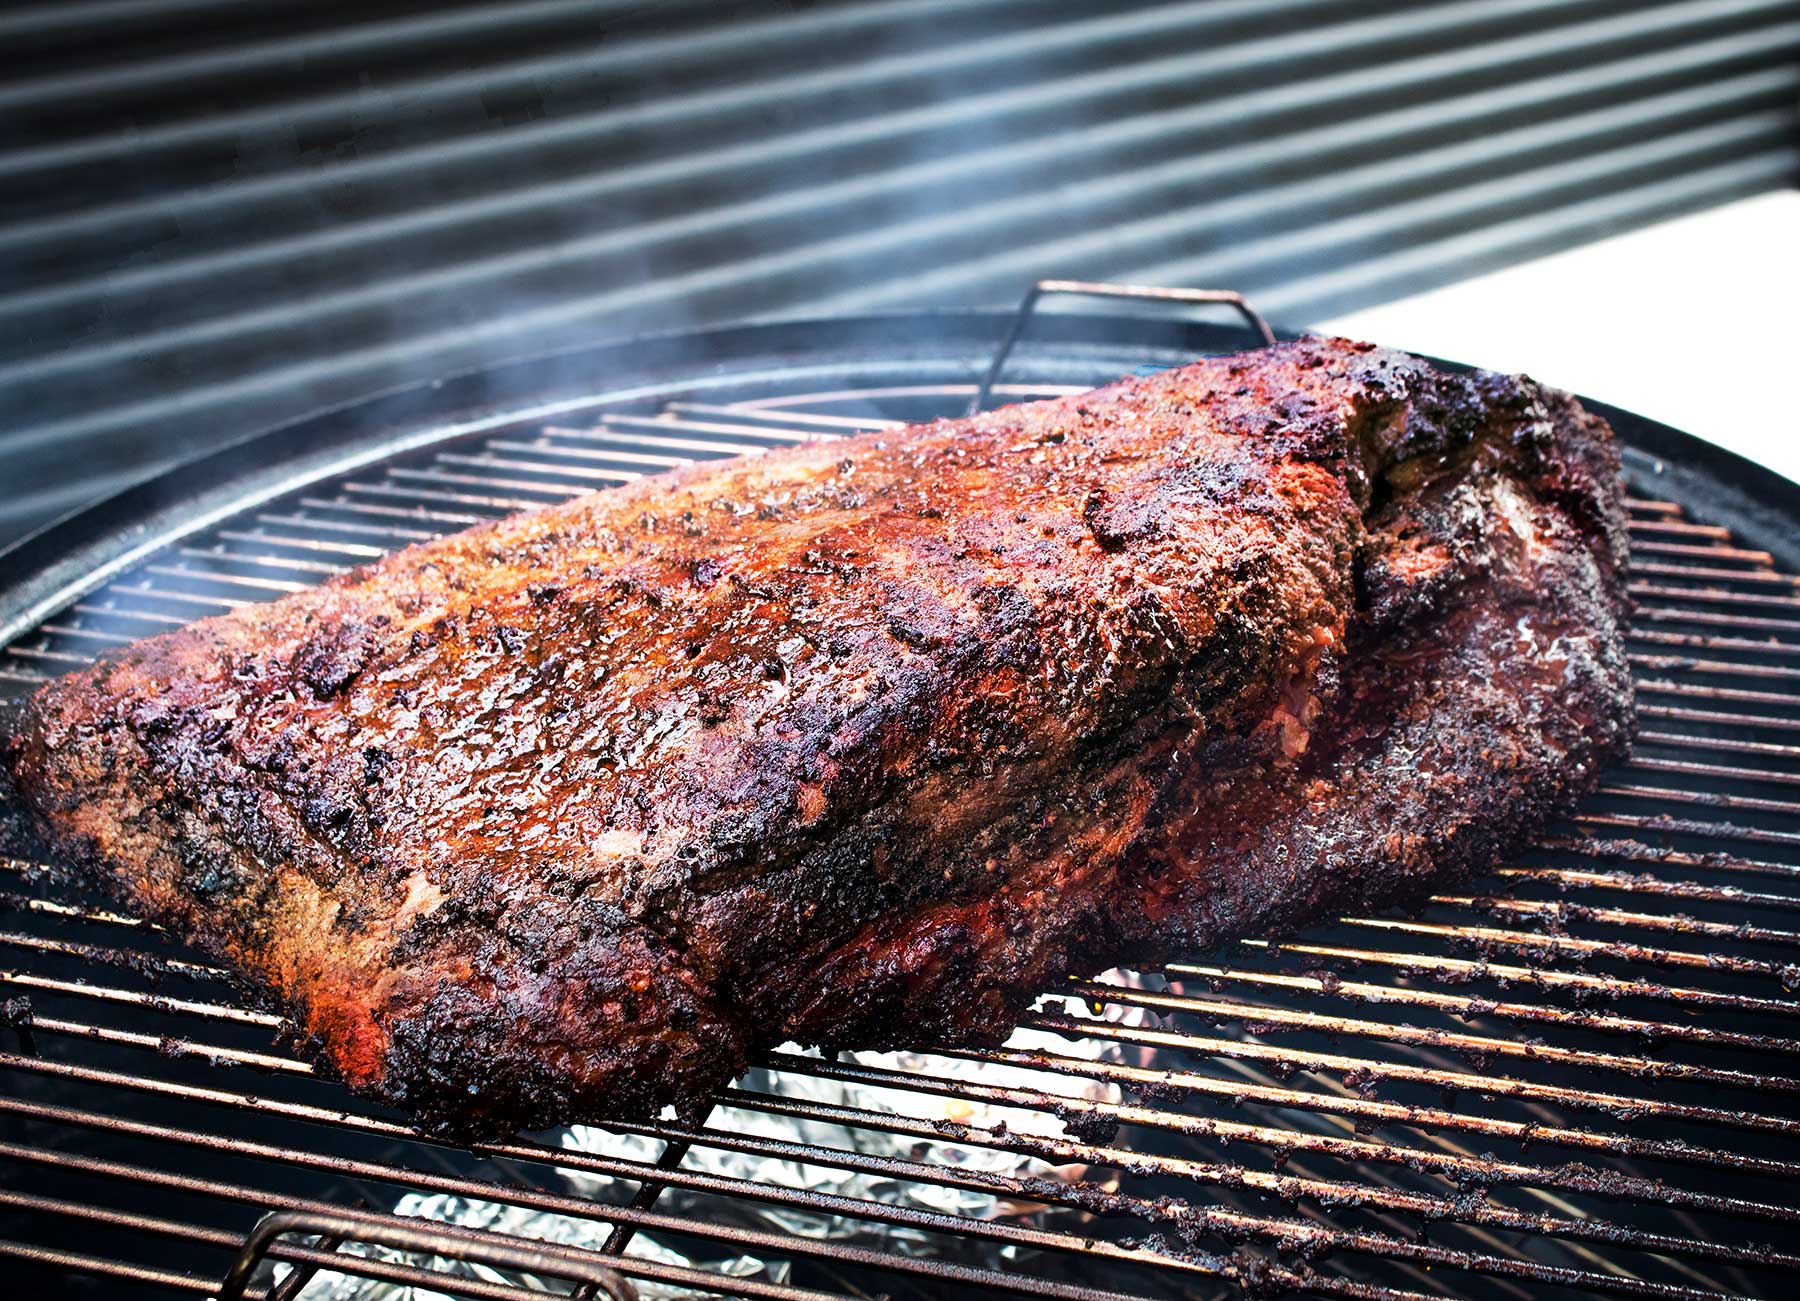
x,y
1581,1074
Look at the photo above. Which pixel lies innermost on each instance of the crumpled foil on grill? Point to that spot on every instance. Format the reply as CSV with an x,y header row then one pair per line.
x,y
530,1223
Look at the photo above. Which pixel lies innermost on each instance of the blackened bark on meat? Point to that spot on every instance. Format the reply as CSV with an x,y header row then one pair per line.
x,y
865,745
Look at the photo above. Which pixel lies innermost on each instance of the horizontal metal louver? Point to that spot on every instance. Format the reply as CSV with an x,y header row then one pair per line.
x,y
217,217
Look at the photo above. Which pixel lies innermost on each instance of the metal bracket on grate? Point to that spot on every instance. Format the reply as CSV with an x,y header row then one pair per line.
x,y
301,1274
1100,289
549,1259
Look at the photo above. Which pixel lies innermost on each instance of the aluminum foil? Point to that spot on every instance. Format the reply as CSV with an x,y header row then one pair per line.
x,y
792,1084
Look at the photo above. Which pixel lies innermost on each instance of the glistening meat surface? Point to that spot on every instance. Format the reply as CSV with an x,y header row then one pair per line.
x,y
867,742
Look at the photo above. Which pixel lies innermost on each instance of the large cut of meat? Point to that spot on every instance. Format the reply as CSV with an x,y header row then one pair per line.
x,y
867,743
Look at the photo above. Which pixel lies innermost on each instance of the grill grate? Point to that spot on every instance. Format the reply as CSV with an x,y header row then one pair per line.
x,y
1579,1075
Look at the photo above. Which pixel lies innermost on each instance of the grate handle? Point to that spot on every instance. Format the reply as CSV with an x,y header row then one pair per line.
x,y
406,1235
1101,289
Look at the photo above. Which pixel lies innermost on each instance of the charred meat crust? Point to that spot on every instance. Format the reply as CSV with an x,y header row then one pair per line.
x,y
862,744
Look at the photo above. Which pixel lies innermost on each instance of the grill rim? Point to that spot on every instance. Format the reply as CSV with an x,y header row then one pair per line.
x,y
288,472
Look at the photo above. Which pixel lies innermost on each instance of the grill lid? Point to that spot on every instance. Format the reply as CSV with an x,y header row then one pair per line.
x,y
1578,1074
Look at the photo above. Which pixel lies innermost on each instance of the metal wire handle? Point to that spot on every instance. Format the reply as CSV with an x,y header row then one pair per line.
x,y
1101,289
538,1258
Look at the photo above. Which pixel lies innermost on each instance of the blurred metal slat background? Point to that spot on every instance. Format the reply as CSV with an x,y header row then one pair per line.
x,y
214,217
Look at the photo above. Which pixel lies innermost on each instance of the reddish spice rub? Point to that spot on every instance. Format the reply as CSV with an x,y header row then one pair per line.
x,y
866,743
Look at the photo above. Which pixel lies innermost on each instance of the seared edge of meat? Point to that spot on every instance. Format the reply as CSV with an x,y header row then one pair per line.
x,y
1481,690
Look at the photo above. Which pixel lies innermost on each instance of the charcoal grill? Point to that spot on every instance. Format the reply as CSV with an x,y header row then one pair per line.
x,y
1580,1075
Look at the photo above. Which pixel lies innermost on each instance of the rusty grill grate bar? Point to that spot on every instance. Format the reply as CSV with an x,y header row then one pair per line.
x,y
1512,1069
